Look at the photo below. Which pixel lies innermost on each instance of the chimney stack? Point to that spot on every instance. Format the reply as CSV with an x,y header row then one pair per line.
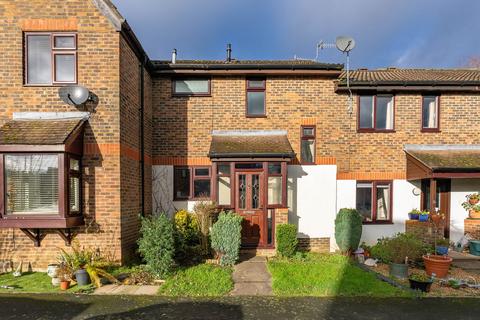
x,y
229,52
174,56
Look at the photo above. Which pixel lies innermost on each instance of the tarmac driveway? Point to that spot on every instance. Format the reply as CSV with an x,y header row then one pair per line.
x,y
20,306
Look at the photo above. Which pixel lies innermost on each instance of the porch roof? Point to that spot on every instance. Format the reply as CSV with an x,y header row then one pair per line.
x,y
250,144
443,161
40,134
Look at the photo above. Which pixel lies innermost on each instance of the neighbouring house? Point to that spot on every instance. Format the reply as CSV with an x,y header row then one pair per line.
x,y
275,141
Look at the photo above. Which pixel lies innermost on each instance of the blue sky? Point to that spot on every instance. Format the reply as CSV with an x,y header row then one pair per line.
x,y
402,33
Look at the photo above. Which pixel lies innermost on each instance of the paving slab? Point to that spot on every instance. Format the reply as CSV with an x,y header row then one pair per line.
x,y
251,277
115,289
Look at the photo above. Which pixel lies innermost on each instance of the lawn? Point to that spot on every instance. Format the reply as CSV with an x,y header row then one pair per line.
x,y
202,280
29,282
325,276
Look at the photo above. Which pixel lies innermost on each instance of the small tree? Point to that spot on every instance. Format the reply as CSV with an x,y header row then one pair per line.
x,y
286,236
157,244
348,230
205,212
226,237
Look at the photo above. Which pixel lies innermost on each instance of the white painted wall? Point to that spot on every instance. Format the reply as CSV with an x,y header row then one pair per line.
x,y
403,201
311,200
459,189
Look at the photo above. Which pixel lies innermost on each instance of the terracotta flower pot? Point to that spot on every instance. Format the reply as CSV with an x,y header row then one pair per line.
x,y
436,218
437,264
64,285
473,214
473,201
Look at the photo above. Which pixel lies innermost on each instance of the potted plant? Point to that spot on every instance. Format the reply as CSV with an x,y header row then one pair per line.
x,y
442,247
397,251
472,205
423,216
437,217
65,275
420,281
436,264
414,214
52,272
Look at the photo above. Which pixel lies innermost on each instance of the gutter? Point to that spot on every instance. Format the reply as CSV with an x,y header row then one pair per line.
x,y
290,155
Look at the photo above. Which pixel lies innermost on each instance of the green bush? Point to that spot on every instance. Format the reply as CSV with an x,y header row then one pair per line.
x,y
226,237
286,236
186,225
157,244
395,249
348,230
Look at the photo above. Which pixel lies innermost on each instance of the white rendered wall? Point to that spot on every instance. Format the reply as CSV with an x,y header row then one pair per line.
x,y
403,201
311,200
459,189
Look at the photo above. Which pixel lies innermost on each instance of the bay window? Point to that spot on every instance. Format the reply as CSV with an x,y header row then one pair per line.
x,y
376,113
50,58
374,201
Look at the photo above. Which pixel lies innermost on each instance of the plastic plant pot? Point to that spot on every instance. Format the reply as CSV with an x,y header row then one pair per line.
x,y
474,247
413,216
438,265
399,270
423,218
442,250
82,277
420,285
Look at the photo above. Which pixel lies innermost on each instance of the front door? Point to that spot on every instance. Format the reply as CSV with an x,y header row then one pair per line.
x,y
249,204
442,200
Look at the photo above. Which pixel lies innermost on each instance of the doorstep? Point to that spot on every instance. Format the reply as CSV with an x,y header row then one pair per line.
x,y
115,289
461,256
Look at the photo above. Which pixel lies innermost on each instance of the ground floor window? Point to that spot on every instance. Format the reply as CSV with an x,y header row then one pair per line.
x,y
192,183
374,201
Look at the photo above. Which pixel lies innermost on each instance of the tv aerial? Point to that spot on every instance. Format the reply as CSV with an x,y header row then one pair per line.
x,y
74,95
345,45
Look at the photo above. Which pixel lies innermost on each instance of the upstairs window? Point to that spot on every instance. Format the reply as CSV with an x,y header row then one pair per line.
x,y
376,113
256,97
430,113
191,87
307,145
50,58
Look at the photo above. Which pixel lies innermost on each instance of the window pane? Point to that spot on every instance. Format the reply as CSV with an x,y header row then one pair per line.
x,y
65,68
224,187
256,84
366,112
308,151
201,188
182,183
74,164
253,165
256,103
64,42
242,191
364,201
192,86
429,112
274,168
308,132
32,184
384,116
255,191
39,60
202,172
274,190
223,169
383,202
74,194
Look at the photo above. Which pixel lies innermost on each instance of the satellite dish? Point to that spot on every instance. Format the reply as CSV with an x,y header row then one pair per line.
x,y
74,95
345,44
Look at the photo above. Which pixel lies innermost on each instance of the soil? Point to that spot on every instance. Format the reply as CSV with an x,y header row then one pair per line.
x,y
438,290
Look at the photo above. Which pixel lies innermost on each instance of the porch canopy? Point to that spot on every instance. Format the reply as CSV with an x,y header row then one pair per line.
x,y
254,144
442,161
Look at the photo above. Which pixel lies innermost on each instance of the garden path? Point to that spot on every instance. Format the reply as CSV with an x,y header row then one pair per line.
x,y
251,277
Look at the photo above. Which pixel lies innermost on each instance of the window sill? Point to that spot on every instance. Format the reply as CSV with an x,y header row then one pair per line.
x,y
53,85
378,223
38,222
256,116
375,131
424,130
191,95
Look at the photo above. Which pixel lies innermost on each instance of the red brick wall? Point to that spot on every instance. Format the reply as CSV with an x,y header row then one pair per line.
x,y
425,231
106,165
472,227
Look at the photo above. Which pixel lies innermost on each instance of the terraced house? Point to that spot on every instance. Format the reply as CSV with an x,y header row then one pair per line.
x,y
275,141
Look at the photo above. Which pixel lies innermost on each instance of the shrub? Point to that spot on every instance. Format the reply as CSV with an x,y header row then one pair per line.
x,y
226,237
186,225
348,230
286,236
206,213
157,244
397,248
